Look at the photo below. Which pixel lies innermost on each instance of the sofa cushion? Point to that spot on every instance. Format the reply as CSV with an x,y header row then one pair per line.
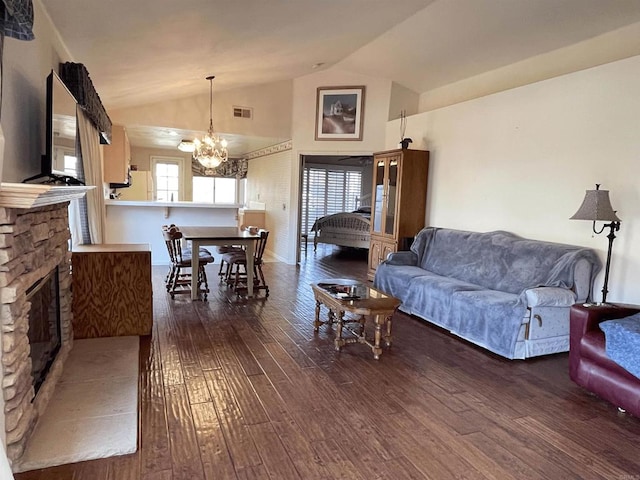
x,y
395,279
486,317
622,342
489,318
430,295
550,297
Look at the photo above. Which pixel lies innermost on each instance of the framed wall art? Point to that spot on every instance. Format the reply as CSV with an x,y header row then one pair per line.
x,y
339,113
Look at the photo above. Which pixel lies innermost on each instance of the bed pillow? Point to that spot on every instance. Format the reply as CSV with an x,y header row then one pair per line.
x,y
363,210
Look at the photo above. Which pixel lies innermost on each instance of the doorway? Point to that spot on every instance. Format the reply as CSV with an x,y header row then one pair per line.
x,y
330,184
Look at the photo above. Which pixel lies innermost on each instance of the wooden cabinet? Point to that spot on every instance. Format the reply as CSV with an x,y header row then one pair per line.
x,y
398,203
378,251
111,290
141,187
117,157
253,218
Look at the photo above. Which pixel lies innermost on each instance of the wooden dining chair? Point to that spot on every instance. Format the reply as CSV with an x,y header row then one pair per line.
x,y
178,278
222,249
236,276
186,249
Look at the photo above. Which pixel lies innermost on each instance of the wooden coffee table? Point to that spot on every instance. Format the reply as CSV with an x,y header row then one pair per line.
x,y
342,296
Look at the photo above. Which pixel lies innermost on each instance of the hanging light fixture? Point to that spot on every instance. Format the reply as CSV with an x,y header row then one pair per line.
x,y
186,146
211,151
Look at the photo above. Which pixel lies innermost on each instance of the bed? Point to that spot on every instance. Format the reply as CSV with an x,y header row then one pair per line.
x,y
345,229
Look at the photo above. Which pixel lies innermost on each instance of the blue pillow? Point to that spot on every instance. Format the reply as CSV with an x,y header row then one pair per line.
x,y
622,342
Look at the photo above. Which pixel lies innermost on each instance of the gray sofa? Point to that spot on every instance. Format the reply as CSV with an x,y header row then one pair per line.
x,y
502,292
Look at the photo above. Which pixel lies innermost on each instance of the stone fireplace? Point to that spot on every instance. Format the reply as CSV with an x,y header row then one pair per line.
x,y
35,281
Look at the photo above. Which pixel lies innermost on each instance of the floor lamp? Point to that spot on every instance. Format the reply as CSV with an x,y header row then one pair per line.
x,y
596,207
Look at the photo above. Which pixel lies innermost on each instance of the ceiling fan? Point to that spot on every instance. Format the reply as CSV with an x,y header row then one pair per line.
x,y
362,160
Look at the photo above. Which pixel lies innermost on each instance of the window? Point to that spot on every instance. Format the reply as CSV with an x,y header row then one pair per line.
x,y
71,165
167,178
215,190
327,190
65,161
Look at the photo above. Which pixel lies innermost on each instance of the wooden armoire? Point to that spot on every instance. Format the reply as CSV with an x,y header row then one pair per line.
x,y
398,202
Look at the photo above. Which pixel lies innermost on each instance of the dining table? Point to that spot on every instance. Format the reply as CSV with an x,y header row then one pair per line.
x,y
201,236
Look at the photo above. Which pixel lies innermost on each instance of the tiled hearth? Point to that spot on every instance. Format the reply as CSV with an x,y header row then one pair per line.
x,y
34,239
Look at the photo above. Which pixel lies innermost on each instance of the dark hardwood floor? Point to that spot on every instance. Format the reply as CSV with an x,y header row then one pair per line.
x,y
245,390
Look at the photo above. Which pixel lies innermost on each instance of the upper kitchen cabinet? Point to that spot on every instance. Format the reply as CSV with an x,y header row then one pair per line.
x,y
117,157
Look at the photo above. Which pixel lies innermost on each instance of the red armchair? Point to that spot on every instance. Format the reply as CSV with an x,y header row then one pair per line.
x,y
589,365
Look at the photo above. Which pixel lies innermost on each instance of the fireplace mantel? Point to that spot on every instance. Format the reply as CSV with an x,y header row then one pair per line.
x,y
27,195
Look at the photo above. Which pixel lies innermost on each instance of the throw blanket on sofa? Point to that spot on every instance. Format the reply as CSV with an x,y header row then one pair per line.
x,y
499,260
473,284
622,342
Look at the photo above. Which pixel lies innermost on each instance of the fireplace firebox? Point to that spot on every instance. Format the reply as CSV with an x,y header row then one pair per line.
x,y
44,326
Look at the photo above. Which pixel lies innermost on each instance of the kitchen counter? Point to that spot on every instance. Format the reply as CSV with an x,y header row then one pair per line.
x,y
148,203
133,221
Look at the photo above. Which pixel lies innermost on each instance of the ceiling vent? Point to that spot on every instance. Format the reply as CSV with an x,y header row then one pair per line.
x,y
242,112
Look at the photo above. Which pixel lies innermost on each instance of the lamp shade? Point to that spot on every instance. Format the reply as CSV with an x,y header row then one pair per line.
x,y
596,206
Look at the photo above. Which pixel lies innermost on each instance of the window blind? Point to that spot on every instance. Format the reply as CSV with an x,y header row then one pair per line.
x,y
328,190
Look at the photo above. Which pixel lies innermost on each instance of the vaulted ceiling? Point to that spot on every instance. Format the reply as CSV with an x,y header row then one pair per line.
x,y
144,51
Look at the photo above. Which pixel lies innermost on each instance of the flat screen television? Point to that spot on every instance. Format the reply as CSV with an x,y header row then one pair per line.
x,y
60,163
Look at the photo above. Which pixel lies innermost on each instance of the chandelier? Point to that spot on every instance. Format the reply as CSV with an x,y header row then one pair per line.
x,y
211,151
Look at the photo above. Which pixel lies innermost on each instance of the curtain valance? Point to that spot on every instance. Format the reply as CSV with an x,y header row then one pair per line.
x,y
16,19
232,168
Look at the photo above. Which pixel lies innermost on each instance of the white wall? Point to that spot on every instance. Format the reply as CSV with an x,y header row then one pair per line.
x,y
367,180
271,104
25,69
402,98
268,181
376,109
521,160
